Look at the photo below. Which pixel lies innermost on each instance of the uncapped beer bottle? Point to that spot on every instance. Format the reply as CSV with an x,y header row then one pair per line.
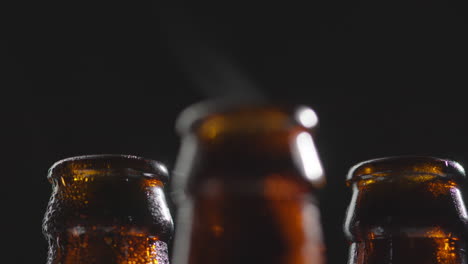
x,y
245,185
108,209
406,210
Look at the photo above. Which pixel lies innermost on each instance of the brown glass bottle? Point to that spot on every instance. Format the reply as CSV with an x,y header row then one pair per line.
x,y
245,185
108,209
407,210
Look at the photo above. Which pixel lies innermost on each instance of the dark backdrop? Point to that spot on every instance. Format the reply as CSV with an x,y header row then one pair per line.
x,y
87,77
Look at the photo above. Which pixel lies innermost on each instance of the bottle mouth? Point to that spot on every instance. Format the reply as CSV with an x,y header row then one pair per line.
x,y
95,164
250,117
382,168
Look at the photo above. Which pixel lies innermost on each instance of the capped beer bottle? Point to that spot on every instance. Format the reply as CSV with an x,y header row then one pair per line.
x,y
406,210
107,209
245,186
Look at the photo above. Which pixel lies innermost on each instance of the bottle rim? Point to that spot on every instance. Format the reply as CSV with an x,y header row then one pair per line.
x,y
120,162
192,116
405,165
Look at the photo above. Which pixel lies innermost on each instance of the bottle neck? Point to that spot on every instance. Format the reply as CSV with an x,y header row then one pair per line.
x,y
248,229
409,250
99,246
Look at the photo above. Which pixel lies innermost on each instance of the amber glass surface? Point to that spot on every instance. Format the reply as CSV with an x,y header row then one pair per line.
x,y
407,210
108,209
242,192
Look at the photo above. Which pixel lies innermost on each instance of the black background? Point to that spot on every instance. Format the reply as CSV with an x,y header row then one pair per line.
x,y
86,77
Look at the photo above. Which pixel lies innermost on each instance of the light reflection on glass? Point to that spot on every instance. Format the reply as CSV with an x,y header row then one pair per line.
x,y
307,156
460,205
306,117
